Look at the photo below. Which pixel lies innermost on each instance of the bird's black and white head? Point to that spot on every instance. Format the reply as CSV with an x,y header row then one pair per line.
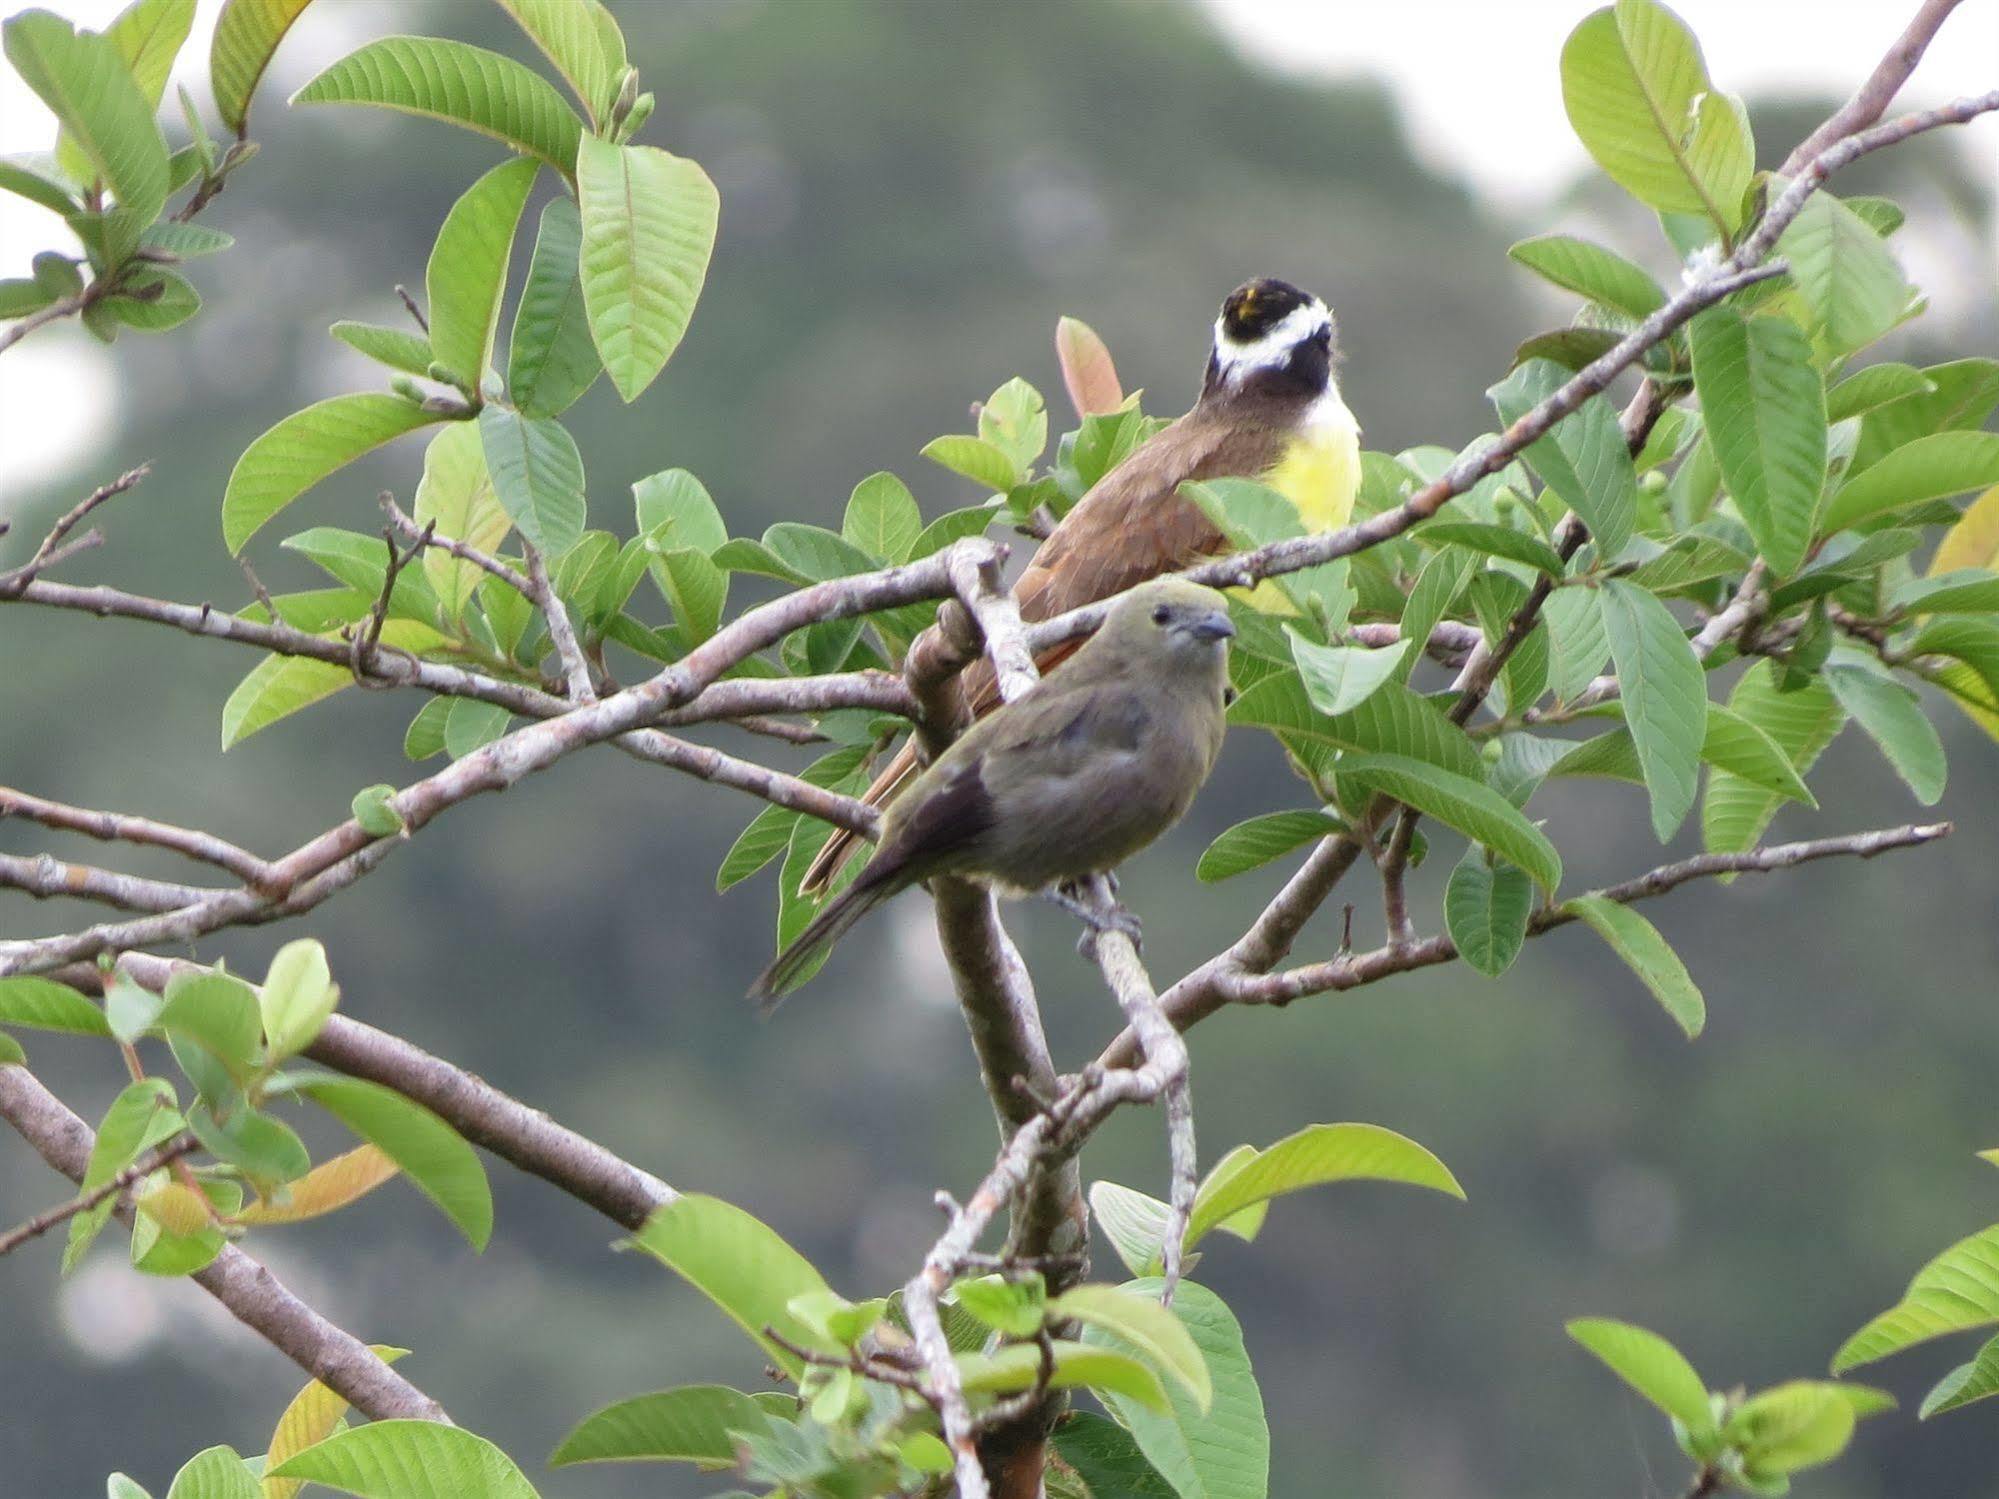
x,y
1272,340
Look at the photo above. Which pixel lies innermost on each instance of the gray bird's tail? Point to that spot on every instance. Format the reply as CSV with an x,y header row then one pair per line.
x,y
786,970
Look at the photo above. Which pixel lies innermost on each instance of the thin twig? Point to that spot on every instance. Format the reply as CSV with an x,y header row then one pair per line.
x,y
575,666
119,827
52,551
160,1155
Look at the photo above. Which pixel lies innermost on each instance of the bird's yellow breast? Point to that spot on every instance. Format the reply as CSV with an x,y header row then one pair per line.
x,y
1319,473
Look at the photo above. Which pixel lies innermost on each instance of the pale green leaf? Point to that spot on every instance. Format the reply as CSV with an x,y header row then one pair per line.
x,y
457,493
1957,1290
313,1415
1108,1375
247,33
395,347
467,273
1315,1156
982,462
537,474
740,1264
44,1005
1223,1453
1650,1365
460,84
551,359
689,1424
882,518
1929,468
1470,806
1584,459
1845,275
648,229
1893,718
676,500
432,1154
298,994
1392,720
1591,271
1139,1321
217,1473
304,448
401,1459
1802,724
1496,541
1133,1222
1665,698
1764,406
1647,954
582,40
1339,679
1976,1380
90,89
279,686
1874,387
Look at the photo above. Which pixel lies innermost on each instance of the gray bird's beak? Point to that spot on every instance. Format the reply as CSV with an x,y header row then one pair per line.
x,y
1214,625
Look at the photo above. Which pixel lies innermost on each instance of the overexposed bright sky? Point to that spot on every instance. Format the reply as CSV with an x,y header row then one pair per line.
x,y
1475,78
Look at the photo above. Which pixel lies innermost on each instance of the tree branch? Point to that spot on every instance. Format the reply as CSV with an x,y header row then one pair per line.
x,y
1871,100
254,1296
120,827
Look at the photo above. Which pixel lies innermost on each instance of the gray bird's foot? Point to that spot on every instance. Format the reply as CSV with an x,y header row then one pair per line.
x,y
1098,919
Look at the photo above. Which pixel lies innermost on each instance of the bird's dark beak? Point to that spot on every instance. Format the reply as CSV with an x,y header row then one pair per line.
x,y
1213,625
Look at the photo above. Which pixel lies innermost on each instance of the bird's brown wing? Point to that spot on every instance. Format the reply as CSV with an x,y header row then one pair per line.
x,y
1133,525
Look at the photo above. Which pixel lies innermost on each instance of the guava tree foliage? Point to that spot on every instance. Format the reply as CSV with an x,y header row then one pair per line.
x,y
1693,593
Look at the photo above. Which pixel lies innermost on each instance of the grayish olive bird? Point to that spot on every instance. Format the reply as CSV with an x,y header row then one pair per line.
x,y
1067,781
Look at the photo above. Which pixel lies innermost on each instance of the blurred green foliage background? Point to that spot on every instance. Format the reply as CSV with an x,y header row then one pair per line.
x,y
911,195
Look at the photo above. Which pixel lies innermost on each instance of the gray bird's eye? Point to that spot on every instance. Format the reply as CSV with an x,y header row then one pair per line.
x,y
1161,615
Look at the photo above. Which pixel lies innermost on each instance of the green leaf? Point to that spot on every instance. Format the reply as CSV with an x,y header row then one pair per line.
x,y
398,349
430,1152
583,42
1133,1222
467,273
459,84
1849,283
280,686
217,1011
1015,1308
1957,1290
1764,405
675,500
1472,807
1392,720
1799,1424
1108,1459
1971,590
1014,419
1486,907
1314,1156
740,1264
1929,468
648,229
953,525
217,1473
1497,541
1578,648
304,448
470,726
537,475
1112,1377
1801,723
689,1424
140,1117
1874,387
375,811
1736,745
1893,718
266,1152
1638,95
882,518
814,553
44,1005
1976,1380
1665,698
1252,844
1584,459
92,93
457,493
982,462
695,588
1591,271
1139,1321
38,179
1964,395
297,996
1223,1453
408,1460
1650,1365
1646,953
153,301
1339,679
247,33
551,359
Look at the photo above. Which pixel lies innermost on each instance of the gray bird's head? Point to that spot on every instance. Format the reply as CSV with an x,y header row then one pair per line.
x,y
1272,340
1179,624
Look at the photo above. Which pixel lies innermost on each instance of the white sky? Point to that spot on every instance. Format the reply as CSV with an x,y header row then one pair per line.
x,y
1475,78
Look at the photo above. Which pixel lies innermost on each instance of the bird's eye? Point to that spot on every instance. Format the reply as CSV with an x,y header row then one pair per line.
x,y
1161,615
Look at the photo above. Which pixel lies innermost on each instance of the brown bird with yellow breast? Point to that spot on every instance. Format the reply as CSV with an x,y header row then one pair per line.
x,y
1270,409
